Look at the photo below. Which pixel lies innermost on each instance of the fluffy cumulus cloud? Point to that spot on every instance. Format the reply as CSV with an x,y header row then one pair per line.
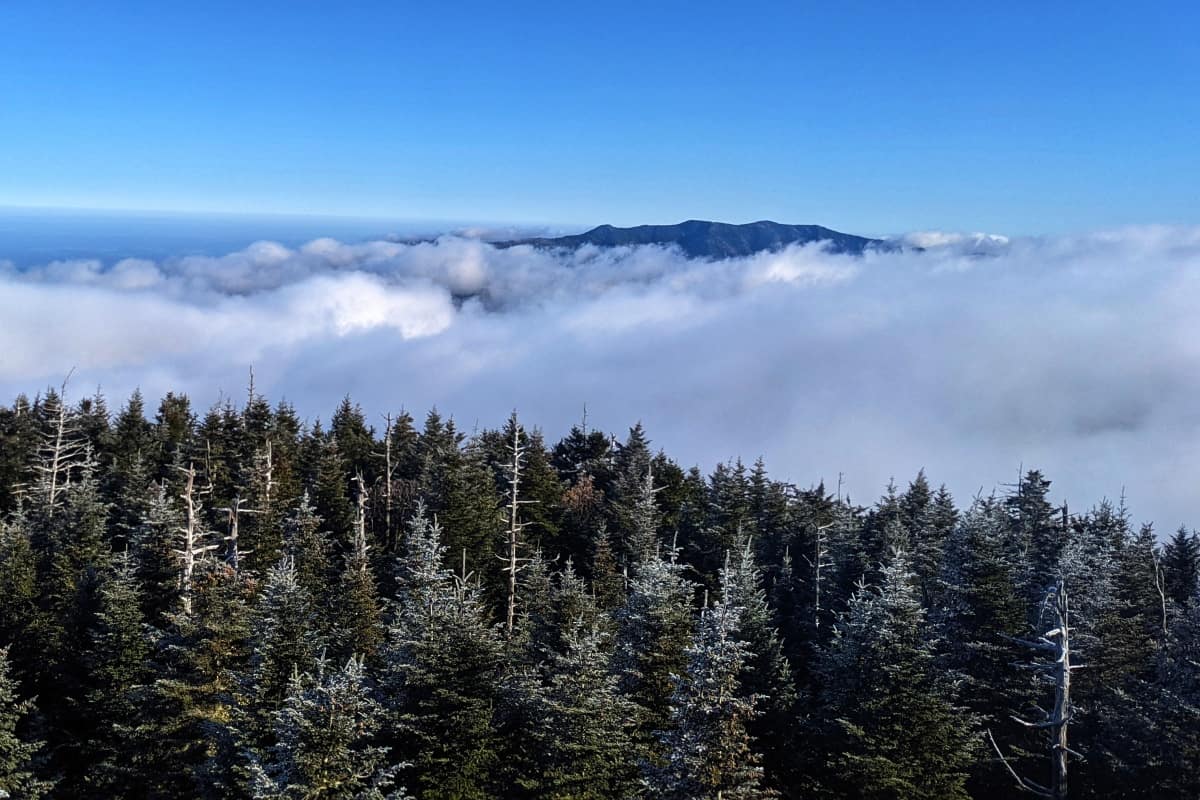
x,y
966,355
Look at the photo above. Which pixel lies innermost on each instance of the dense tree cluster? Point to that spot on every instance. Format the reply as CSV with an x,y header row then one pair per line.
x,y
244,604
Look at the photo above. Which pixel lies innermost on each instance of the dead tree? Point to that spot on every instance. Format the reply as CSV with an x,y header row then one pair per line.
x,y
818,563
234,511
514,563
63,449
192,535
360,523
389,478
1055,668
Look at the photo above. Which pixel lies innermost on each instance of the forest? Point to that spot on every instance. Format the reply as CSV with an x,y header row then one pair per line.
x,y
241,603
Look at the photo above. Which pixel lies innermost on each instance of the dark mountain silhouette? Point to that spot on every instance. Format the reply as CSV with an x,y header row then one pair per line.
x,y
715,240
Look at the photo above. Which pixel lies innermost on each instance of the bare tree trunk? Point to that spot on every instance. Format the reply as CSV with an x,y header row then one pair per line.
x,y
193,546
360,522
515,526
1062,696
1056,644
61,453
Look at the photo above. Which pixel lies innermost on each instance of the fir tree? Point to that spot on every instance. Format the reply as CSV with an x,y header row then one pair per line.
x,y
1181,563
707,747
894,730
323,734
285,635
654,630
18,778
119,672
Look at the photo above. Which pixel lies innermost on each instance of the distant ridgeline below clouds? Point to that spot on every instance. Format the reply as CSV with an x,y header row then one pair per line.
x,y
967,355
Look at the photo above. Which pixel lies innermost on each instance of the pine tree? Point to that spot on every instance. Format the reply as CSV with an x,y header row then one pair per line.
x,y
323,735
708,753
654,631
18,778
357,625
442,674
119,673
285,635
1181,563
894,729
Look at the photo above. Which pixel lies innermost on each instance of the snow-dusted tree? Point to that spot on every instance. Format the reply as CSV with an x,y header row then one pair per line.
x,y
323,741
285,635
18,778
981,605
1054,667
654,630
707,748
307,544
766,673
357,626
443,669
581,727
121,644
892,726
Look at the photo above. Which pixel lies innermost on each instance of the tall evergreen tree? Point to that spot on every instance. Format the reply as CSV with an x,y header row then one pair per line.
x,y
18,776
323,734
894,729
707,746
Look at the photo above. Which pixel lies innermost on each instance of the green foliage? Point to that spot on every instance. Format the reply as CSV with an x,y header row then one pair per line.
x,y
779,644
17,754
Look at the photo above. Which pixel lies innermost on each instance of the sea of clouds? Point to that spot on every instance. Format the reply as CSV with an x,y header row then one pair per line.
x,y
966,355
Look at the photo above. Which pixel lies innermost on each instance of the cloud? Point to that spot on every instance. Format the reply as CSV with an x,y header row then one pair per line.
x,y
1078,355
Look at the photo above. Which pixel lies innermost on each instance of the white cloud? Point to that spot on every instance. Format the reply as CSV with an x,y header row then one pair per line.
x,y
1079,355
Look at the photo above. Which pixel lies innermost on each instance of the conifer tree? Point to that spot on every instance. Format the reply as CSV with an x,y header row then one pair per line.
x,y
1181,563
307,544
18,777
707,746
285,635
580,736
323,741
357,625
766,674
443,672
18,593
894,729
444,663
654,631
119,672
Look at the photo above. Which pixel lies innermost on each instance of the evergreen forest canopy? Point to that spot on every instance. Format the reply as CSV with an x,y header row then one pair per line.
x,y
241,604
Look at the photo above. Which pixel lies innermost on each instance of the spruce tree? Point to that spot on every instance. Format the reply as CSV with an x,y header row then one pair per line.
x,y
580,727
118,677
18,776
893,726
443,672
654,631
707,748
323,741
1181,563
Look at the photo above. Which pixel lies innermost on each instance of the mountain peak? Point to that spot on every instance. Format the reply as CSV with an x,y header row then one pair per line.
x,y
698,238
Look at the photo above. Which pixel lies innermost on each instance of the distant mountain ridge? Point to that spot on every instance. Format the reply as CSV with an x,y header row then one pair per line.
x,y
714,240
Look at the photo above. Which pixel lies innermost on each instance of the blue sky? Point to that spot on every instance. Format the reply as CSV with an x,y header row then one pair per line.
x,y
871,117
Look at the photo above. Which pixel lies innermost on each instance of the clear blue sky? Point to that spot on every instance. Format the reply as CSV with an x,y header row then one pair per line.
x,y
872,117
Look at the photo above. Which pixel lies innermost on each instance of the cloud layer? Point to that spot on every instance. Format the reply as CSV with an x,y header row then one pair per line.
x,y
1078,355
